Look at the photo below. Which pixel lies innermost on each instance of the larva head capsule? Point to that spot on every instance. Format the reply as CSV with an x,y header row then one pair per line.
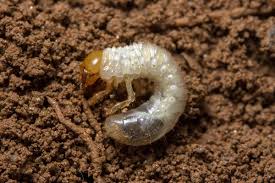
x,y
90,68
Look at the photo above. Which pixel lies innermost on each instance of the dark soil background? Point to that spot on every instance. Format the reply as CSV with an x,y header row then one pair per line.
x,y
225,47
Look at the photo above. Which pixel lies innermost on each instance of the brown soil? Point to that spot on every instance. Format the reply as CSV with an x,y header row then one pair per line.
x,y
226,48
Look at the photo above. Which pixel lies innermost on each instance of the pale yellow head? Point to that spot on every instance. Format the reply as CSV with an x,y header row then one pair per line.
x,y
90,68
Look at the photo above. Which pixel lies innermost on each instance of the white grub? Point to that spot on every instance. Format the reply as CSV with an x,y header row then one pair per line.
x,y
154,118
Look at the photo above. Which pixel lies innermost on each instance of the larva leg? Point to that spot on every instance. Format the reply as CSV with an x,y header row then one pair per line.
x,y
123,104
100,95
115,83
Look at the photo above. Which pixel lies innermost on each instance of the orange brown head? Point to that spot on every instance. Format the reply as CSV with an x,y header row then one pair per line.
x,y
90,68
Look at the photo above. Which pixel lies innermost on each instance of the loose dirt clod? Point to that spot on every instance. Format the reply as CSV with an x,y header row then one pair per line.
x,y
95,158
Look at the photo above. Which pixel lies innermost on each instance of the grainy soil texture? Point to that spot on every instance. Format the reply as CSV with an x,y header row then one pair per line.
x,y
226,49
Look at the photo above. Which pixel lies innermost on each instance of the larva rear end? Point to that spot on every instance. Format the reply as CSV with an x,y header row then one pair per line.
x,y
135,127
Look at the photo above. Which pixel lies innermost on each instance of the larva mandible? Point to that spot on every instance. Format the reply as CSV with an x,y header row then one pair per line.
x,y
154,118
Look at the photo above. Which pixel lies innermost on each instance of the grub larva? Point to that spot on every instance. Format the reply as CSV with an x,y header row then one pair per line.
x,y
154,118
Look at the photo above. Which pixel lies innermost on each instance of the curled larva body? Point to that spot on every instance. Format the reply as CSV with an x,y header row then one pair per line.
x,y
153,119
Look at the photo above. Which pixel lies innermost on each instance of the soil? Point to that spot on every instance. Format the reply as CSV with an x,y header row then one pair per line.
x,y
225,48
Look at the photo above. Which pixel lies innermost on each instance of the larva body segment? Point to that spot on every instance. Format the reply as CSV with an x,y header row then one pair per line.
x,y
156,117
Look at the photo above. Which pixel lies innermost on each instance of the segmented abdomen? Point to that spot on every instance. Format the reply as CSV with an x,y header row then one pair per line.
x,y
156,117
